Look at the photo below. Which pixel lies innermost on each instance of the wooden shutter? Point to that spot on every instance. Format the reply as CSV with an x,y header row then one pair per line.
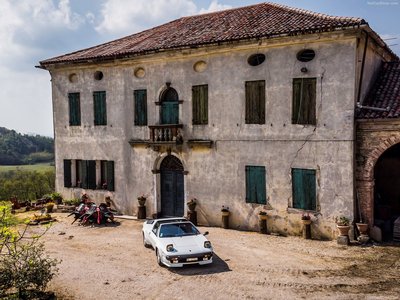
x,y
110,176
200,104
91,174
140,97
304,189
309,91
304,101
256,184
67,173
74,109
255,102
82,171
100,108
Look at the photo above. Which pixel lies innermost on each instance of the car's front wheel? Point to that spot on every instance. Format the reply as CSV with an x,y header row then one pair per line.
x,y
159,261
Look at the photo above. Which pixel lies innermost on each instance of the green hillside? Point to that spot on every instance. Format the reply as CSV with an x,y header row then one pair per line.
x,y
21,149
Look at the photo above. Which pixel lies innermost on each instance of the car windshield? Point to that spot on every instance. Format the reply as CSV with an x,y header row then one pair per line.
x,y
177,230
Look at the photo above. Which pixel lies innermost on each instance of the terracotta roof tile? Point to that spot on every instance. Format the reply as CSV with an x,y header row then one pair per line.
x,y
263,20
385,95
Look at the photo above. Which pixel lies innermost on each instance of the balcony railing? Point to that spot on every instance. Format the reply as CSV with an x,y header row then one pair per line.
x,y
166,133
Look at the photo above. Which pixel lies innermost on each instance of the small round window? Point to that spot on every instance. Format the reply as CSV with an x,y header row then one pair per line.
x,y
306,55
98,75
256,59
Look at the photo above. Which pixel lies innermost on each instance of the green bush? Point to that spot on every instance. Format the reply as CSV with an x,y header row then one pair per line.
x,y
24,267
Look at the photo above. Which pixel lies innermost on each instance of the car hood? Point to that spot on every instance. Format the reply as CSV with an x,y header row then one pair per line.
x,y
186,243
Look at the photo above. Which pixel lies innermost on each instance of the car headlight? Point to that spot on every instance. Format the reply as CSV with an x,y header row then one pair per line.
x,y
207,244
170,247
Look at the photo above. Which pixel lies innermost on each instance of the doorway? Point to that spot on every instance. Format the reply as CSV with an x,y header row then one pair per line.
x,y
387,191
172,187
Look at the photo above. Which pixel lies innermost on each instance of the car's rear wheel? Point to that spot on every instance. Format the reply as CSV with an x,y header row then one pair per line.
x,y
159,258
146,244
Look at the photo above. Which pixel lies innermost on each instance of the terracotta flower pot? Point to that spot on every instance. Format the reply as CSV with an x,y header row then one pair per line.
x,y
263,217
306,222
362,228
225,213
343,229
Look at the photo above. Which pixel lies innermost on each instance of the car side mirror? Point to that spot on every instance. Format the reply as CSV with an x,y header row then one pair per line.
x,y
206,233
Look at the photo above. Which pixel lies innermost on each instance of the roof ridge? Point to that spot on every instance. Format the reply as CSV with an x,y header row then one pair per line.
x,y
312,13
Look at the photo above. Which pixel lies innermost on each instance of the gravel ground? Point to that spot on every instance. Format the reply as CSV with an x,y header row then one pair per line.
x,y
110,262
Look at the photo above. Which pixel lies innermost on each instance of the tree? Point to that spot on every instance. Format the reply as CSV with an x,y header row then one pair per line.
x,y
24,267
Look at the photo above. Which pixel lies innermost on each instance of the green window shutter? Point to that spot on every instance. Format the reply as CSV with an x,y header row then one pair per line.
x,y
81,171
67,173
100,108
255,102
140,98
310,86
91,174
256,184
200,104
110,176
304,189
74,109
304,101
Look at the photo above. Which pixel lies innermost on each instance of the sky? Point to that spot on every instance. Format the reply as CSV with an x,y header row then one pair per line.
x,y
34,30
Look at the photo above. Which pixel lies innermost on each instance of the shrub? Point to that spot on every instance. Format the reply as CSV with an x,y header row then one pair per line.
x,y
23,264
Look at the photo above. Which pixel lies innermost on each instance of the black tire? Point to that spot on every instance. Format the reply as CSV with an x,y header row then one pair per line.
x,y
159,259
147,245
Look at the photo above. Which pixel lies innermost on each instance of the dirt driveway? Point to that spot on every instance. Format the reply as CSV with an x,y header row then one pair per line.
x,y
111,263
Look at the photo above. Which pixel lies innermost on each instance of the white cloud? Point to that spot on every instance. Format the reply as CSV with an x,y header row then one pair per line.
x,y
127,17
215,6
121,17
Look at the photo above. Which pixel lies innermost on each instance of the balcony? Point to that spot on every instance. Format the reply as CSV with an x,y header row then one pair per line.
x,y
166,133
162,136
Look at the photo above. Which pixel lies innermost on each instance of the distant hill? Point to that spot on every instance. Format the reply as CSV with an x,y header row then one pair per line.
x,y
19,149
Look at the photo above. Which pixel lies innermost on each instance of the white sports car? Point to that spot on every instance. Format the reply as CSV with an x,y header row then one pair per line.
x,y
177,242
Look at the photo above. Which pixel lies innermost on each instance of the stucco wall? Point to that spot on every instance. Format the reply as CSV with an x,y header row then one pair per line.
x,y
216,176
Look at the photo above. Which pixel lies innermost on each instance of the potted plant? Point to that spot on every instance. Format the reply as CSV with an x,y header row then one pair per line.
x,y
192,204
142,200
225,216
306,218
343,225
262,214
362,227
49,207
225,211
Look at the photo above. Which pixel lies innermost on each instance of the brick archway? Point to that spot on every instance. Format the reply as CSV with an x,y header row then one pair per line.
x,y
370,149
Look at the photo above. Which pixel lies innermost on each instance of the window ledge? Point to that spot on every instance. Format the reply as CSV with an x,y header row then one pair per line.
x,y
292,210
200,143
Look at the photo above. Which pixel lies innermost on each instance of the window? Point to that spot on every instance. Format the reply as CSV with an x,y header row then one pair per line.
x,y
303,106
255,185
86,174
256,59
200,104
304,189
100,109
67,173
140,98
107,175
74,103
255,102
305,55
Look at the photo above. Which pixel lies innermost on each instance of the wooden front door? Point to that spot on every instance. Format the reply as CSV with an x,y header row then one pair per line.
x,y
172,187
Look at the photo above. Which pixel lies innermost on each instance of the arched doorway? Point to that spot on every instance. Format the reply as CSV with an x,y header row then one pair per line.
x,y
172,187
169,113
387,191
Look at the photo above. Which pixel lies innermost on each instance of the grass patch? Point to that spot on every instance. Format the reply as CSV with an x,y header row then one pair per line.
x,y
43,167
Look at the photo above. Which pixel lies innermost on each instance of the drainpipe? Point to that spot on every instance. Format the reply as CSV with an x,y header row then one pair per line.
x,y
362,68
356,204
